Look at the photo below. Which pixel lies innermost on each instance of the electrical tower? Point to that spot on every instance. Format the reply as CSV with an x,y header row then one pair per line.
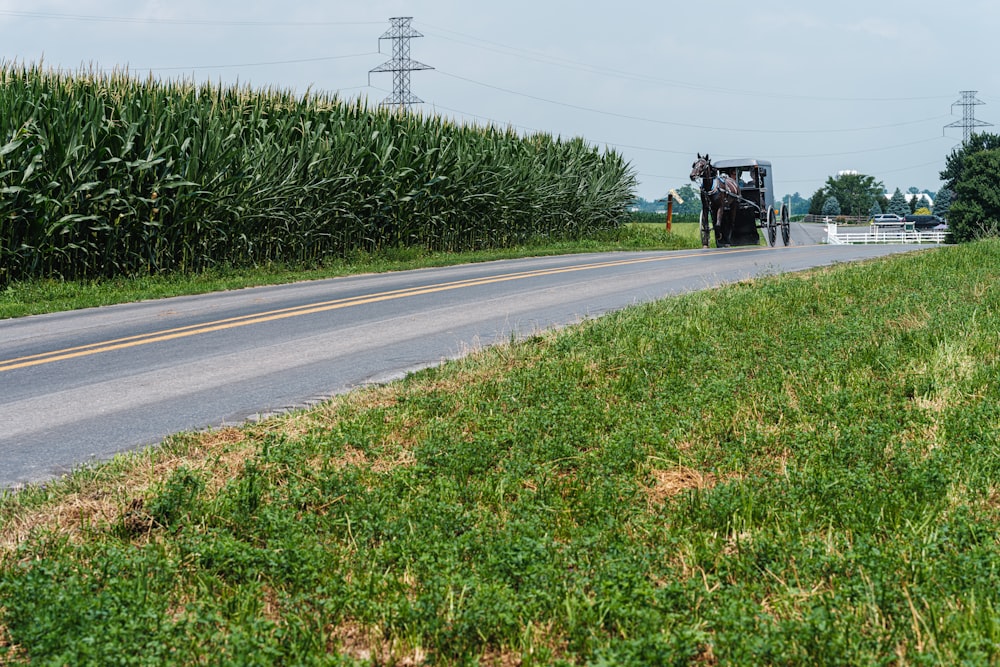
x,y
968,122
401,65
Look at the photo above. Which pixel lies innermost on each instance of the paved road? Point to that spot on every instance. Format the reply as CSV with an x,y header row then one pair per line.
x,y
78,387
806,233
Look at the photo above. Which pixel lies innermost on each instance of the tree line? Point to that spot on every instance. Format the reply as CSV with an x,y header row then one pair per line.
x,y
859,195
969,198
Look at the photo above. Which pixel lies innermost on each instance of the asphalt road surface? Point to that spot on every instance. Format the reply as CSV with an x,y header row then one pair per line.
x,y
79,387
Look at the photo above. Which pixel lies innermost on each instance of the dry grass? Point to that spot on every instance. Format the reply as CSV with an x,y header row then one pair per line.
x,y
14,655
221,453
991,504
669,483
706,656
372,645
501,659
353,640
71,517
911,321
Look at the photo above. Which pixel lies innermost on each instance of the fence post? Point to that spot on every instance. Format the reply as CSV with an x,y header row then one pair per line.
x,y
670,210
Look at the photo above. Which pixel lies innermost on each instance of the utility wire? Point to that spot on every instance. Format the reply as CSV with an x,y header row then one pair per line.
x,y
913,166
491,121
262,64
616,144
475,43
153,20
658,121
536,56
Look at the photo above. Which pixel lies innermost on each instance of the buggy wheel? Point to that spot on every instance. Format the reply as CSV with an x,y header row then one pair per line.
x,y
706,228
785,225
772,227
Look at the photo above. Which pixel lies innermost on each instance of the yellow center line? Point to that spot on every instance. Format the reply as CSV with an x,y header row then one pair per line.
x,y
308,309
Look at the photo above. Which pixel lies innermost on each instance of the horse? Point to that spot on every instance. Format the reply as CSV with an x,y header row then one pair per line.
x,y
719,195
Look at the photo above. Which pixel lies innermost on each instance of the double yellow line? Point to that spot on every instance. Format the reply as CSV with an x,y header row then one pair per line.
x,y
306,309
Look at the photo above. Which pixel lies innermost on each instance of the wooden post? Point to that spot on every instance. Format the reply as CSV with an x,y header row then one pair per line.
x,y
670,211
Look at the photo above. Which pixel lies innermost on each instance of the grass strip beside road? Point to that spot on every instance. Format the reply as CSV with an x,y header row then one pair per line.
x,y
47,296
798,469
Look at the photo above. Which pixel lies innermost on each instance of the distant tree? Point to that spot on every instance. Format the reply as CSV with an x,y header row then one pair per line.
x,y
876,209
816,201
975,213
897,204
854,192
692,201
984,141
831,206
913,190
648,206
797,205
942,202
921,200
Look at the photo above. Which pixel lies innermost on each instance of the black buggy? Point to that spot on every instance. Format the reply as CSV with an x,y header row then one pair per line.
x,y
752,209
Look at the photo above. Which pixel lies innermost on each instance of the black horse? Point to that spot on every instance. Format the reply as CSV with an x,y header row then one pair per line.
x,y
720,195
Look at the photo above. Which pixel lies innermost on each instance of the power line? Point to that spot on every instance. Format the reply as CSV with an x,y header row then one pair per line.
x,y
152,20
913,166
262,64
491,121
659,121
780,157
616,144
596,69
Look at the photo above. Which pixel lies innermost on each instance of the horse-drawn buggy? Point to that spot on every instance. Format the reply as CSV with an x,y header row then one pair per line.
x,y
736,200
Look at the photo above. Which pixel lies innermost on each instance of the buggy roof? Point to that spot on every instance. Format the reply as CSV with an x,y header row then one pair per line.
x,y
741,162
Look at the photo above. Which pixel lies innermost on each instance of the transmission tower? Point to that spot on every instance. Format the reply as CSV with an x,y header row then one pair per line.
x,y
969,102
401,65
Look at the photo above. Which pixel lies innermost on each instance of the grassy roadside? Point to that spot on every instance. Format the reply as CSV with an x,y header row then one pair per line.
x,y
46,296
794,470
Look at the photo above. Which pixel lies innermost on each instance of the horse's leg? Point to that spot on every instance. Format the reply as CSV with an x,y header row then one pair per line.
x,y
717,221
728,229
729,221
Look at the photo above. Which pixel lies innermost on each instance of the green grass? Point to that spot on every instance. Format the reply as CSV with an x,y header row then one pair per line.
x,y
34,297
792,470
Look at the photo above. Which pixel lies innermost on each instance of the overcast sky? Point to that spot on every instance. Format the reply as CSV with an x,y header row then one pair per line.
x,y
865,85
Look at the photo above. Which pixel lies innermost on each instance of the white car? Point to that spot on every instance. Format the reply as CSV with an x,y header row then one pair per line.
x,y
887,219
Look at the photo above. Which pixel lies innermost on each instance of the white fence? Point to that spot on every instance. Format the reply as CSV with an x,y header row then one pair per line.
x,y
877,234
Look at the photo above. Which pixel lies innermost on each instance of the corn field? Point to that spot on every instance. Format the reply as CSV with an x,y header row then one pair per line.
x,y
105,175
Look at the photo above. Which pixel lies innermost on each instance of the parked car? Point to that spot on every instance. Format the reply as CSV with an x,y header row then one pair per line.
x,y
924,222
887,219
